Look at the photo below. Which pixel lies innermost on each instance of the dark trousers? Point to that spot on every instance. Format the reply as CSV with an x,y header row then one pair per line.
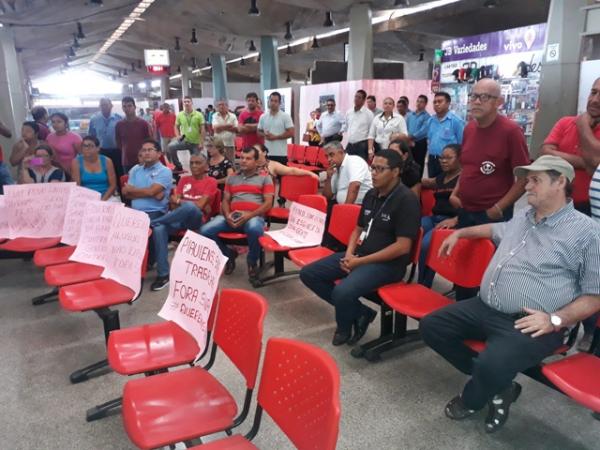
x,y
359,148
419,151
333,137
433,166
321,275
115,156
508,351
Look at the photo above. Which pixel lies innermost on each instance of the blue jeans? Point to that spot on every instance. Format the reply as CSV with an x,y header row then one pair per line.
x,y
5,177
187,216
253,228
428,224
321,275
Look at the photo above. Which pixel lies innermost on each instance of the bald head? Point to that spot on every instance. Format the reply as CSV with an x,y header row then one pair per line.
x,y
593,103
484,101
490,86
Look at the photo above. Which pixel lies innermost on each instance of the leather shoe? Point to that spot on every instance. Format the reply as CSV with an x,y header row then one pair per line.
x,y
456,409
361,324
340,337
499,407
230,264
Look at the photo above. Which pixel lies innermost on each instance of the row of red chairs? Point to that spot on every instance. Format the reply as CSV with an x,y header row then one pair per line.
x,y
306,157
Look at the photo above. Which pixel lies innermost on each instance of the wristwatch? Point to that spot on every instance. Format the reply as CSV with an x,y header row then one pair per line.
x,y
556,321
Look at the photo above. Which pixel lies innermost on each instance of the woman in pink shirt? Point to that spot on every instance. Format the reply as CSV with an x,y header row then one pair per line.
x,y
65,143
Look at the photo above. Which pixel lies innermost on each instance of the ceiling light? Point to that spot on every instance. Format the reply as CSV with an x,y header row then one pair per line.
x,y
178,69
253,11
328,19
288,51
75,41
208,62
177,46
80,34
315,43
288,31
71,52
142,85
194,39
252,47
288,78
194,62
421,55
258,57
490,4
242,62
401,3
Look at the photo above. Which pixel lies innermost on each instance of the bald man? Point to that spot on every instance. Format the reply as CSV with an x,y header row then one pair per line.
x,y
102,126
493,146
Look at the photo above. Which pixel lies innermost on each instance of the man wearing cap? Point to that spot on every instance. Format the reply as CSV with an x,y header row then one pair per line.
x,y
542,280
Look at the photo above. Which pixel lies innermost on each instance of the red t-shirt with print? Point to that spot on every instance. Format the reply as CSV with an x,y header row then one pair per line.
x,y
192,189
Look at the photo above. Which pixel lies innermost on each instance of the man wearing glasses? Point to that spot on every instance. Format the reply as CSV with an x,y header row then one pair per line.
x,y
377,253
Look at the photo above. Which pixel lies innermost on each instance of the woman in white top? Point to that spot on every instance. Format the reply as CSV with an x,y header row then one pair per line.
x,y
386,127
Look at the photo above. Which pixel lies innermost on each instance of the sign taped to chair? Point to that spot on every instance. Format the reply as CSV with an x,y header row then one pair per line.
x,y
4,232
126,247
194,279
79,197
305,228
92,246
36,210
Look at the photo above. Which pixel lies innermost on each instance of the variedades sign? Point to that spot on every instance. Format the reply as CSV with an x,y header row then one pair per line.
x,y
515,40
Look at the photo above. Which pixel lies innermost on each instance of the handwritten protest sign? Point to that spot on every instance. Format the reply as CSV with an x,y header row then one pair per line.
x,y
79,197
37,210
4,232
305,228
92,246
194,279
126,246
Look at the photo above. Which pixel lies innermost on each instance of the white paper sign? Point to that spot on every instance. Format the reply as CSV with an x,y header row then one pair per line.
x,y
305,228
92,246
195,271
126,247
37,210
79,197
552,52
4,232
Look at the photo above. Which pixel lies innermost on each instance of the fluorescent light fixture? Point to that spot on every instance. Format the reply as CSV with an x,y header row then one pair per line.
x,y
155,83
142,85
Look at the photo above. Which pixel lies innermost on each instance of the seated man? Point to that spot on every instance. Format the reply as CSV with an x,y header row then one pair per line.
x,y
542,280
377,253
247,197
190,203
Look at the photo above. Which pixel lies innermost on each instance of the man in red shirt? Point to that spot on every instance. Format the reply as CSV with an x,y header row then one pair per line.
x,y
563,141
165,123
192,203
492,147
248,122
131,132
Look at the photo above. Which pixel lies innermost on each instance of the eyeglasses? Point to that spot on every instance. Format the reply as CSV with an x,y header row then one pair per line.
x,y
483,97
379,169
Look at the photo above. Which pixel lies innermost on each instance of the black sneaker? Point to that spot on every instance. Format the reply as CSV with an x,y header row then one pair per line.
x,y
499,407
159,283
341,337
361,324
230,264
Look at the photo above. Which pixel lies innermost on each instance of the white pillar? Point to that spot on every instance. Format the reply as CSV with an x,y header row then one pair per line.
x,y
360,52
164,88
185,81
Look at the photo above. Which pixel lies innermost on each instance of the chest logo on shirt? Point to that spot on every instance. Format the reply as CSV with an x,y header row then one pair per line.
x,y
187,187
487,167
385,217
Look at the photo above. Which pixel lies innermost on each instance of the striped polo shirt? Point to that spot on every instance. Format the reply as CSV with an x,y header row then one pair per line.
x,y
545,265
249,189
595,195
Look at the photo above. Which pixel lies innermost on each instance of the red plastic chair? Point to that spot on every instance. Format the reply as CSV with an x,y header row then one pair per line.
x,y
291,188
290,371
21,246
123,180
151,349
51,257
71,273
343,222
186,404
297,155
98,296
427,202
311,157
290,152
322,160
280,252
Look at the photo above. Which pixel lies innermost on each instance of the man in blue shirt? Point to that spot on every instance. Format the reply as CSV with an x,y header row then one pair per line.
x,y
102,127
444,128
418,126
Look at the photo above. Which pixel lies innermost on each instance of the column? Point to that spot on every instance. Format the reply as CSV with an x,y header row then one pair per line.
x,y
13,107
269,63
559,80
360,52
219,77
164,88
185,81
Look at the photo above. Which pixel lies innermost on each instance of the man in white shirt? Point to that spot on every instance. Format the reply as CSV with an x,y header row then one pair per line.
x,y
330,124
225,124
276,127
358,123
348,177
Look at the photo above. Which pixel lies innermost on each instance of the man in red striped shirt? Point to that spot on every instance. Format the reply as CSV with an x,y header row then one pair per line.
x,y
247,197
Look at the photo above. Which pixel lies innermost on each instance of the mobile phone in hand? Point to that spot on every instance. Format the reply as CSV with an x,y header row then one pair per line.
x,y
236,215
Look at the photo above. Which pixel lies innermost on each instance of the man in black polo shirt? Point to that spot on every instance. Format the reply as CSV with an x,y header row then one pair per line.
x,y
377,253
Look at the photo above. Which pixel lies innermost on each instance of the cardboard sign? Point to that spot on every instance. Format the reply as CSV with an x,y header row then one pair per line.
x,y
4,232
194,279
92,246
305,228
79,197
126,247
37,210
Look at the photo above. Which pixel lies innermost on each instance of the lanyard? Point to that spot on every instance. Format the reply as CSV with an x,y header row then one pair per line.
x,y
366,233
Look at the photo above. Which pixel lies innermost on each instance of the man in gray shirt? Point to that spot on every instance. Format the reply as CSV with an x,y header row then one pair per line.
x,y
276,127
542,280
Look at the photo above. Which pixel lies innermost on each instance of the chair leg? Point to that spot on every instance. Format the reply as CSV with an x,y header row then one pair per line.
x,y
51,296
88,372
103,410
278,265
386,329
